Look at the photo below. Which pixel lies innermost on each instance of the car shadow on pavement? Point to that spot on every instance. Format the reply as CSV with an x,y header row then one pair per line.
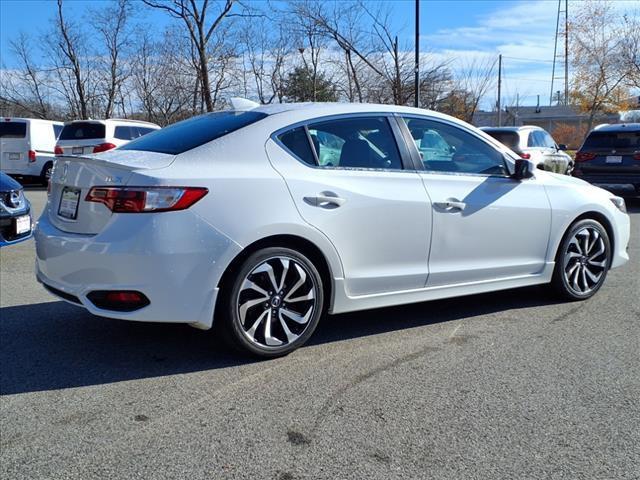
x,y
55,345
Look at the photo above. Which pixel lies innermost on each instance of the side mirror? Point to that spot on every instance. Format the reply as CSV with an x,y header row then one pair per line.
x,y
523,169
562,146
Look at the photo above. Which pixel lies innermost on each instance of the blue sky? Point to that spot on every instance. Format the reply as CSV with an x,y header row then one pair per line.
x,y
522,30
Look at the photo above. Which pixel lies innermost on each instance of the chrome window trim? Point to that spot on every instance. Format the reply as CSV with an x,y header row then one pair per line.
x,y
407,166
503,154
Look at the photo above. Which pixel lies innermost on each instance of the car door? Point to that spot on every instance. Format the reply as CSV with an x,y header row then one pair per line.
x,y
348,179
486,225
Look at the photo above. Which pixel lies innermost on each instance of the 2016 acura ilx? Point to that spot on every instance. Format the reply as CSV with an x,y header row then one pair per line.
x,y
261,219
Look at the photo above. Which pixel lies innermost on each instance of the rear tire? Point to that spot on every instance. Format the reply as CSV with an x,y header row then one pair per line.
x,y
46,173
582,261
273,303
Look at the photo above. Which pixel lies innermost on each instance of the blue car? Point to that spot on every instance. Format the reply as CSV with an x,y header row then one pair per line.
x,y
15,212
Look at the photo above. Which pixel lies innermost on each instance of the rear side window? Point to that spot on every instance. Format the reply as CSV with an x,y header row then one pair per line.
x,y
619,140
297,141
57,129
13,129
192,133
123,133
82,131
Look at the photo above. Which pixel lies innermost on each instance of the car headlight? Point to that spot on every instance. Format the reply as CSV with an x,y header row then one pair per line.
x,y
619,203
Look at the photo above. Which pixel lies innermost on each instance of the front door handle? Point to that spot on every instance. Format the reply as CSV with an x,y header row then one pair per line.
x,y
325,200
451,204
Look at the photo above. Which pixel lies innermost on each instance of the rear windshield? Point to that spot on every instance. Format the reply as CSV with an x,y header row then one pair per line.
x,y
619,140
82,131
510,139
13,129
192,133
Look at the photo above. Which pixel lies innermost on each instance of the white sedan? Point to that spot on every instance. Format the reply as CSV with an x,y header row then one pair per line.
x,y
261,219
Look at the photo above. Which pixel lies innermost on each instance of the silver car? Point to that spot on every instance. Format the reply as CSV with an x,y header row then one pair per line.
x,y
535,144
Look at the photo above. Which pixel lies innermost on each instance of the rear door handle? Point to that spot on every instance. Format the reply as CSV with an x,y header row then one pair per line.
x,y
325,200
451,204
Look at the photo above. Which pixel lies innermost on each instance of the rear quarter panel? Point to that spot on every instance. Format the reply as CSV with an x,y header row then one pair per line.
x,y
247,200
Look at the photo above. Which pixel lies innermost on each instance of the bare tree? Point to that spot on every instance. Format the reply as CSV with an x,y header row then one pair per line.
x,y
72,72
111,24
27,86
471,82
200,32
631,47
162,78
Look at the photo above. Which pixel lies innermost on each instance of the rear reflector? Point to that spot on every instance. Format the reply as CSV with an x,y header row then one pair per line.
x,y
526,156
103,147
146,199
118,300
32,156
585,156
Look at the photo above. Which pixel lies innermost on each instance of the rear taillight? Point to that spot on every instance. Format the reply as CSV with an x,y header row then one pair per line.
x,y
143,199
103,147
585,156
636,156
526,156
58,150
32,156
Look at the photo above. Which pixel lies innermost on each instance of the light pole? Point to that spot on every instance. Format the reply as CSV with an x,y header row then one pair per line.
x,y
417,62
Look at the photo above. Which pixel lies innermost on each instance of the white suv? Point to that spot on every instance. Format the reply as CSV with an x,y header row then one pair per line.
x,y
27,146
535,144
80,137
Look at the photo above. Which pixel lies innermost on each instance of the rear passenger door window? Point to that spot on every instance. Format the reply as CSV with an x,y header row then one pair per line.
x,y
447,148
357,142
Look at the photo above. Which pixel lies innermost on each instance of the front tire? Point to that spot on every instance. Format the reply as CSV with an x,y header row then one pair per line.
x,y
273,304
582,261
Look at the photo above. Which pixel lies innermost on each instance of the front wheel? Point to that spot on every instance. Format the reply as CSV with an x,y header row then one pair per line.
x,y
583,260
274,303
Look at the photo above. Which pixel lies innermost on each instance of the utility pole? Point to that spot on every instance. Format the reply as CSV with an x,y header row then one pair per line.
x,y
557,57
566,52
417,63
499,90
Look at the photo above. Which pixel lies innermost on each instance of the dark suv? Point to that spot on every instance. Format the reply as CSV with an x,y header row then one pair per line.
x,y
610,158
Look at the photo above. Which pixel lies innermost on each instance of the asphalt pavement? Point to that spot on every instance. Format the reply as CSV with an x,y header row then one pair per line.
x,y
498,386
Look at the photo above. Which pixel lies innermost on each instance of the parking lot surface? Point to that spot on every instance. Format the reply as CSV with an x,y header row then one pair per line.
x,y
506,385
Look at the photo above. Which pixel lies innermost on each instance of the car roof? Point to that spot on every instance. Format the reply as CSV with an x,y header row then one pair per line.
x,y
618,127
511,129
113,120
21,119
329,108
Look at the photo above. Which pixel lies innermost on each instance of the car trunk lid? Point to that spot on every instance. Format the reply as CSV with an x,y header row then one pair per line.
x,y
73,177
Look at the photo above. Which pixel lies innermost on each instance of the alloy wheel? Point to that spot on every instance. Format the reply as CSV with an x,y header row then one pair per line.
x,y
585,261
276,302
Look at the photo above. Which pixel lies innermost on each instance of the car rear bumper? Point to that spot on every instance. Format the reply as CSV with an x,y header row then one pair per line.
x,y
175,259
611,181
